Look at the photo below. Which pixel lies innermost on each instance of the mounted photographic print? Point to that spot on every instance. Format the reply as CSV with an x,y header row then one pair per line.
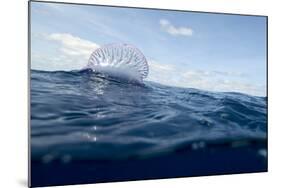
x,y
123,93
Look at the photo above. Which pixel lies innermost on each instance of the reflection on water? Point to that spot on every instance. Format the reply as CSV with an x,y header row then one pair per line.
x,y
84,115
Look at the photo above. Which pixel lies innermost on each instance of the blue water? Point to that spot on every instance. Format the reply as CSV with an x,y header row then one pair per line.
x,y
87,116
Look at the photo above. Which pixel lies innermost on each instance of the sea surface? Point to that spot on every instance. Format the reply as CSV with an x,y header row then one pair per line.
x,y
79,116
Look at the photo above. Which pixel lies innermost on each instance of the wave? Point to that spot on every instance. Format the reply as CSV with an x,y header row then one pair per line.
x,y
96,116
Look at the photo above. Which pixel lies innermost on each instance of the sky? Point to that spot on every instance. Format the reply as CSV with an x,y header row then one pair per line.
x,y
214,52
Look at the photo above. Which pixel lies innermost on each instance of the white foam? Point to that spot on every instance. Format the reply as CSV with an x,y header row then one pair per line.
x,y
124,73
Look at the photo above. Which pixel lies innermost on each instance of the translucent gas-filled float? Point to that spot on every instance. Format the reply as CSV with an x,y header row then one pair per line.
x,y
123,61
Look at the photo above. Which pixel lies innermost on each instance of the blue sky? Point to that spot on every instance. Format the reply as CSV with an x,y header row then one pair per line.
x,y
215,52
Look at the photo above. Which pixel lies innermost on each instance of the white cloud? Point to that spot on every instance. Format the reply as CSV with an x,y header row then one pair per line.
x,y
73,46
215,80
74,52
161,73
173,30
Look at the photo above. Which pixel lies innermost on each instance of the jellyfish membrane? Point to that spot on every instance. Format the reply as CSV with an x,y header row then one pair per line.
x,y
119,60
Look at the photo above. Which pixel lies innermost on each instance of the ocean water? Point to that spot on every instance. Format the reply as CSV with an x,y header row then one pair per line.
x,y
93,124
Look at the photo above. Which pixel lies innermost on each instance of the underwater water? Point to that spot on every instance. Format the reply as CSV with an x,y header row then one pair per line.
x,y
94,128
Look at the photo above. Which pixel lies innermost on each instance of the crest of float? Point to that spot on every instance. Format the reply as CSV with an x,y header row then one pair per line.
x,y
119,60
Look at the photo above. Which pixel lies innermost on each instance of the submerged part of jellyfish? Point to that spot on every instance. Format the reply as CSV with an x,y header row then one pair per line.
x,y
119,60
